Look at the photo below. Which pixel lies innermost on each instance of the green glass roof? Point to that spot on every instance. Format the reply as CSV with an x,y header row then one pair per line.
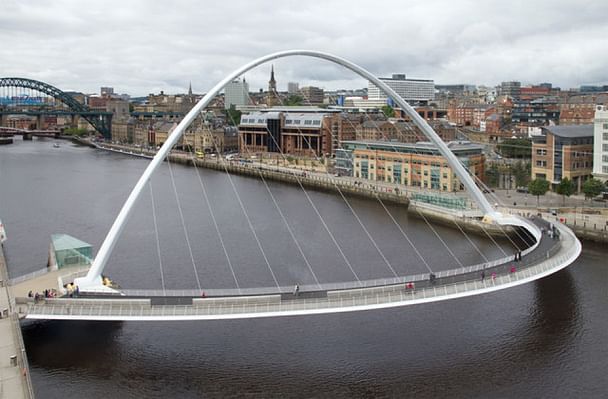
x,y
64,241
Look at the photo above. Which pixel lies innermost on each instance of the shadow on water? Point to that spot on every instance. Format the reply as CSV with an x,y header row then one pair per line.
x,y
69,345
195,362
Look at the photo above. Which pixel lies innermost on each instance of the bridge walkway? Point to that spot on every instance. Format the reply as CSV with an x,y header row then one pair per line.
x,y
543,263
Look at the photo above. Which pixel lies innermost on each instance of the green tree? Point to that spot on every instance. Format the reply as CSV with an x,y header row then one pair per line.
x,y
565,188
515,148
294,100
538,187
388,111
592,188
233,116
492,176
74,131
521,171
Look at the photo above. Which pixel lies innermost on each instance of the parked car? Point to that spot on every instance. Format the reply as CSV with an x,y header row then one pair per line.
x,y
522,189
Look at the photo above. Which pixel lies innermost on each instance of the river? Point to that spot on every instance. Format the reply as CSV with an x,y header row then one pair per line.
x,y
544,339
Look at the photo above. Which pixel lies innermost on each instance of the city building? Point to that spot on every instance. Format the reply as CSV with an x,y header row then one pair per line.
x,y
411,90
563,151
456,89
511,89
469,114
303,131
600,143
106,91
580,109
411,164
236,93
312,95
292,88
538,112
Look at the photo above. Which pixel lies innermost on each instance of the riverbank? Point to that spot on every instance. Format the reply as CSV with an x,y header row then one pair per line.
x,y
14,372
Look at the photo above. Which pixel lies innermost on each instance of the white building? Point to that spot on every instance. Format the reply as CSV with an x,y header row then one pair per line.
x,y
293,88
600,143
412,90
236,93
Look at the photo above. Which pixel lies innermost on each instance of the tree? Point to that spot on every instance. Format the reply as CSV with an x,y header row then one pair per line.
x,y
233,116
74,131
538,187
492,176
515,148
592,188
294,100
388,111
521,171
565,188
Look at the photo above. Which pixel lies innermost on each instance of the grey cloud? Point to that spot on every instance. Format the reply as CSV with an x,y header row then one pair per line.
x,y
146,46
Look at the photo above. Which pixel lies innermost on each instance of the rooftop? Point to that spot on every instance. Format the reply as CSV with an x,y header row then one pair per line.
x,y
571,131
64,241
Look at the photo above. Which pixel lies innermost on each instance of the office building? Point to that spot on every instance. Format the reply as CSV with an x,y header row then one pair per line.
x,y
600,143
563,151
236,93
411,90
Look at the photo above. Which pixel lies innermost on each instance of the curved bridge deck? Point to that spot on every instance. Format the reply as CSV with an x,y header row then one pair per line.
x,y
549,257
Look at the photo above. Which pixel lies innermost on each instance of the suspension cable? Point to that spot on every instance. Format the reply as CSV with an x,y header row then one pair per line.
x,y
160,260
379,200
284,219
181,216
215,224
250,224
386,261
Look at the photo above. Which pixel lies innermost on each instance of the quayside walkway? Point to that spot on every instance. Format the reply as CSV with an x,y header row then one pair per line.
x,y
550,256
14,374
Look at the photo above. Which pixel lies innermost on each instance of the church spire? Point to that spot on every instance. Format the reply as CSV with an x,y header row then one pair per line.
x,y
272,98
190,89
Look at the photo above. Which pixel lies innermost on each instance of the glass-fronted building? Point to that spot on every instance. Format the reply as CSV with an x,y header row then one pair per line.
x,y
411,164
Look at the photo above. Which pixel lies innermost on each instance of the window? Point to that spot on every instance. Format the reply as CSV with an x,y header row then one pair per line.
x,y
308,122
605,126
605,136
605,147
296,122
605,158
289,121
316,122
604,169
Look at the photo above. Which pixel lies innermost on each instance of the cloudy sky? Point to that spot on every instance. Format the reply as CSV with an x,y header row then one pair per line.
x,y
139,46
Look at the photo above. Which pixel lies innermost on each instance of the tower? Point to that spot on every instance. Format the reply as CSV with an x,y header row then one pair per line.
x,y
272,98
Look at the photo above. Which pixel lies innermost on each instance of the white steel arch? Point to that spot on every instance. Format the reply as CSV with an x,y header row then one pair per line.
x,y
93,278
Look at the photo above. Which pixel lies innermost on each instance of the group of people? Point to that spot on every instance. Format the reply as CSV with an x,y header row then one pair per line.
x,y
52,293
483,275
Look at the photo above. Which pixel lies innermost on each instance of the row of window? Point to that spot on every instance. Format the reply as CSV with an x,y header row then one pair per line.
x,y
306,122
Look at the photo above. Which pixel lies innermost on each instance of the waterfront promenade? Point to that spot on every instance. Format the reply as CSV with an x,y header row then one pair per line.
x,y
14,374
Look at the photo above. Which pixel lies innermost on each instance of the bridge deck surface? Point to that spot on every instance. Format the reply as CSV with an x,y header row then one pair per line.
x,y
544,263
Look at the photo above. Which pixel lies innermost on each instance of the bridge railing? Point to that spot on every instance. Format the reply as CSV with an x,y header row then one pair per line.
x,y
500,265
357,297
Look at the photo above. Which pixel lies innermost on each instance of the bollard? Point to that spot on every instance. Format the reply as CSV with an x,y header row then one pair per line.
x,y
13,359
5,312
